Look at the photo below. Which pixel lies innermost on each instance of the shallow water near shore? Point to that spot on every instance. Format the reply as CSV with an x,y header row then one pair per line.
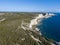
x,y
51,27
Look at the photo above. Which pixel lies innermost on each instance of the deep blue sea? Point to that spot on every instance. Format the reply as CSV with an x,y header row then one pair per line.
x,y
51,27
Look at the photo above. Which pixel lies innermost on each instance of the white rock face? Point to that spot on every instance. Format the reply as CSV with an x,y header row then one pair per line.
x,y
39,17
36,29
23,39
2,20
35,38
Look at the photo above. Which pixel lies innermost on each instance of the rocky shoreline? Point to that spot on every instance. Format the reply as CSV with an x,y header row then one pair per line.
x,y
20,29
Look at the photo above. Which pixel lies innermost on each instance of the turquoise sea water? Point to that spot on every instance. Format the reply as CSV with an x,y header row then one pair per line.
x,y
51,27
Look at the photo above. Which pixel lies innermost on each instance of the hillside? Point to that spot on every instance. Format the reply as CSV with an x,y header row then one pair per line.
x,y
14,30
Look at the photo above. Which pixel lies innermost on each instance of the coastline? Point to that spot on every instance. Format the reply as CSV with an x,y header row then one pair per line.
x,y
37,20
23,26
